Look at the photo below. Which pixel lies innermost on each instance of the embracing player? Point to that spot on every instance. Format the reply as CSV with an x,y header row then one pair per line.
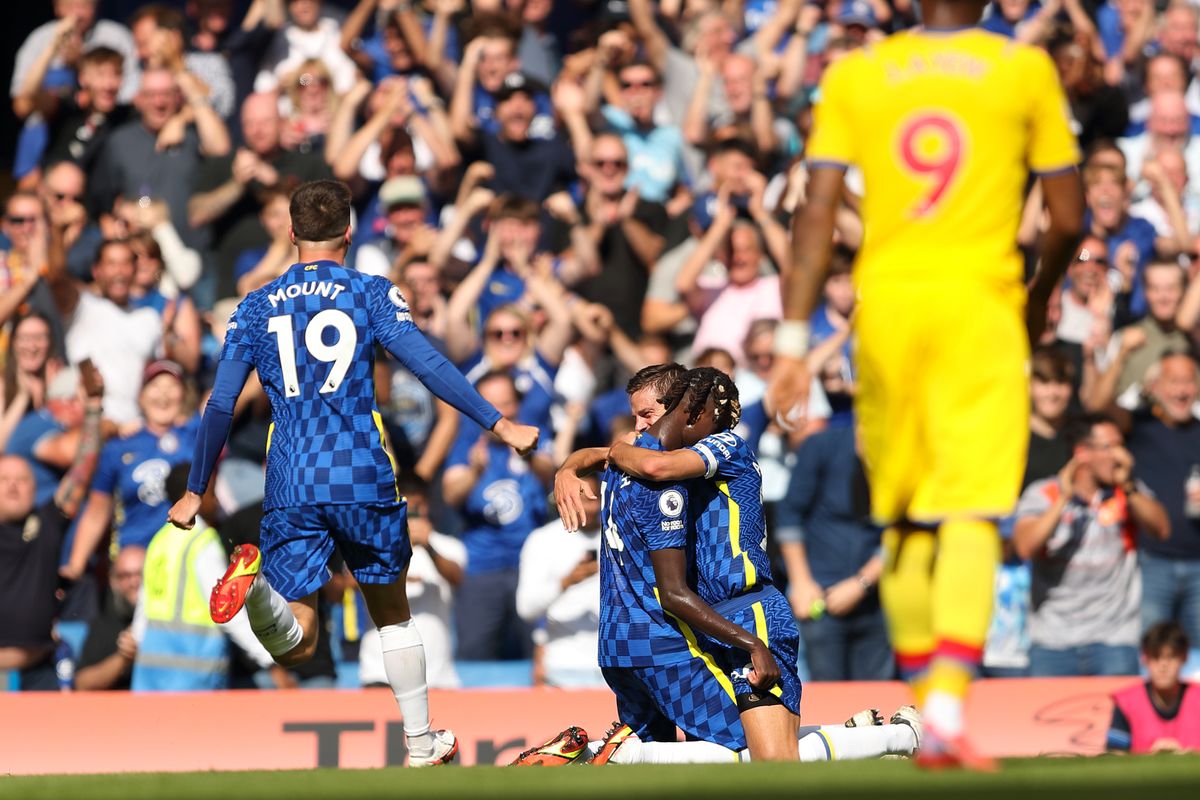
x,y
718,661
946,122
311,334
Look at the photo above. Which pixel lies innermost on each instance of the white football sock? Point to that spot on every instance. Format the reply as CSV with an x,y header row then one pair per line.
x,y
404,663
635,751
838,743
943,713
271,618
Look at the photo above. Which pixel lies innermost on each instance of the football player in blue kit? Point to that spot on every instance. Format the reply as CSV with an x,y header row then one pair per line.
x,y
312,334
693,633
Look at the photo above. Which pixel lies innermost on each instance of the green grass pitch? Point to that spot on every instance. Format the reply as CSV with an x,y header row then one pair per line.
x,y
1152,778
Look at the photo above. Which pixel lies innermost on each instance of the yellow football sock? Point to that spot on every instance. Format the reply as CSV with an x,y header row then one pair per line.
x,y
906,592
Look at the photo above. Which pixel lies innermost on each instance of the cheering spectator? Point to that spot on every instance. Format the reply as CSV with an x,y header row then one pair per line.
x,y
105,325
407,234
502,498
485,76
25,227
1079,532
61,43
1108,218
309,33
1051,382
559,591
1134,349
1170,207
28,368
229,187
158,155
106,661
1168,126
132,474
1164,437
32,536
627,232
158,35
63,190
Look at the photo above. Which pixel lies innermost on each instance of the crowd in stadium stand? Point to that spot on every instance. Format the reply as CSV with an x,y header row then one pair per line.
x,y
565,191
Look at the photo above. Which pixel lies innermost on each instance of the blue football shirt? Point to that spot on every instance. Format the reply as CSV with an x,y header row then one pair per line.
x,y
727,512
637,518
311,334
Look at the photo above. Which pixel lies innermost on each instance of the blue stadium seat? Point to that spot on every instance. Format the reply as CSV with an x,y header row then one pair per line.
x,y
492,674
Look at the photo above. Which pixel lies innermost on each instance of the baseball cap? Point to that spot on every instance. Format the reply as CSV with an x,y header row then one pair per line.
x,y
64,385
514,82
402,190
856,12
162,367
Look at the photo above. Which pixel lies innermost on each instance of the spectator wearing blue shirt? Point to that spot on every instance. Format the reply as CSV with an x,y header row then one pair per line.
x,y
1129,238
503,498
655,151
486,77
509,341
1003,17
130,483
48,436
833,561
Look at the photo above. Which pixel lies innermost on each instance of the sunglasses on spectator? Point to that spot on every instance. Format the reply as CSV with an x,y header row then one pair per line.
x,y
638,84
20,220
506,334
127,576
61,196
1099,261
761,358
615,163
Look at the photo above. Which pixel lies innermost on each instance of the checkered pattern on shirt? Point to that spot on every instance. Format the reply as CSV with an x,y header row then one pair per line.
x,y
324,448
297,543
633,629
725,554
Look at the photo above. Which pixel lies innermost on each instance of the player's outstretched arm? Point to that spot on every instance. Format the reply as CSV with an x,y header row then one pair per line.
x,y
1064,201
654,465
812,246
670,577
569,486
404,340
210,439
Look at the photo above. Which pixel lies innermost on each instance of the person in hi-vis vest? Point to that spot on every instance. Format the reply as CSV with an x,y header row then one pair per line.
x,y
180,648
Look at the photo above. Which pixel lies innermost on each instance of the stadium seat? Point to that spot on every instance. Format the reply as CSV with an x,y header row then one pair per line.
x,y
492,674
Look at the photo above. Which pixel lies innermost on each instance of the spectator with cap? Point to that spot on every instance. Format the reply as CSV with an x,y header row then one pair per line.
x,y
228,187
406,211
106,660
487,72
132,473
104,324
31,540
525,165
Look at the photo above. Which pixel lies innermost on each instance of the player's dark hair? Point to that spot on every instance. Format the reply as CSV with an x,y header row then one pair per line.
x,y
659,377
1050,365
320,211
697,387
1169,636
177,480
